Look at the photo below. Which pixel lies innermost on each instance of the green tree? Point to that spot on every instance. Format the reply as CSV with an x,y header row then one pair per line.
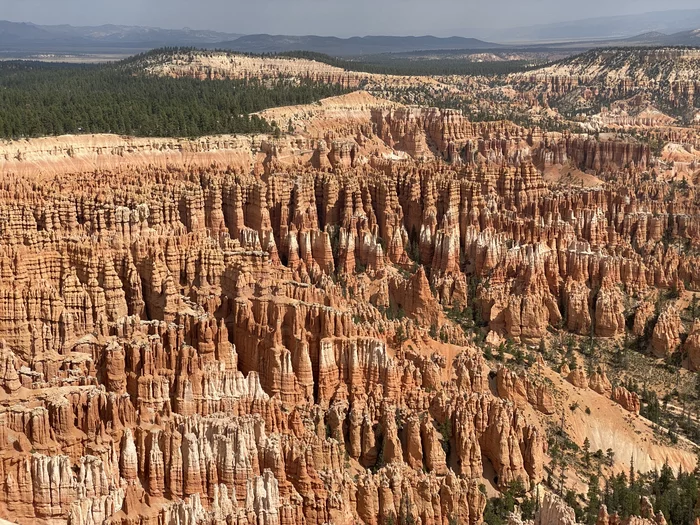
x,y
610,456
587,452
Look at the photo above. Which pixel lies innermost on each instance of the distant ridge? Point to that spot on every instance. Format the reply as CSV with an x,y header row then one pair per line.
x,y
651,36
367,45
599,28
107,42
26,37
683,38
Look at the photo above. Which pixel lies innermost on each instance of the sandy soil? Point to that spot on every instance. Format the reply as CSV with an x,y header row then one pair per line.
x,y
610,426
565,175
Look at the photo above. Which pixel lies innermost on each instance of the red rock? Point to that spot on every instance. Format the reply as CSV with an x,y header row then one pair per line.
x,y
609,310
577,377
627,400
692,346
220,342
599,382
521,387
665,338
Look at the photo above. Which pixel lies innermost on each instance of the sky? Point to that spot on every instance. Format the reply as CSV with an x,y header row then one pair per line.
x,y
326,17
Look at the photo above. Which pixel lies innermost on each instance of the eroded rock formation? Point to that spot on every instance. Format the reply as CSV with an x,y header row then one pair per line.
x,y
268,334
626,399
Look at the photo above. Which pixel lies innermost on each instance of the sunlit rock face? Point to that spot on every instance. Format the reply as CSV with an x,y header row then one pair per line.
x,y
265,330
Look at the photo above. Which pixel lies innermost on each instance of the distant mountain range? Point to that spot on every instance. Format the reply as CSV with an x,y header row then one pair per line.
x,y
367,45
665,28
600,28
31,38
25,37
683,38
373,45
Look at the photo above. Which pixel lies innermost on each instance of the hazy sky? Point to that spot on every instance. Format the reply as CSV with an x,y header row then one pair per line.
x,y
329,17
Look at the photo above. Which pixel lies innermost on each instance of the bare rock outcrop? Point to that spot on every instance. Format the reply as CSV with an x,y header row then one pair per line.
x,y
628,400
609,312
691,346
599,382
553,511
642,317
665,338
522,388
